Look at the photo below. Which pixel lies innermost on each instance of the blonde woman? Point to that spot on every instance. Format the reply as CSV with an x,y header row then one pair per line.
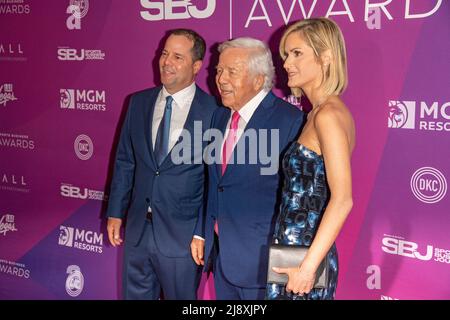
x,y
317,191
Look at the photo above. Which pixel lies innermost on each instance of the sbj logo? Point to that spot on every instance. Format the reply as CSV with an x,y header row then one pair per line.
x,y
77,10
165,10
6,93
72,54
71,191
428,185
74,281
84,148
405,248
402,114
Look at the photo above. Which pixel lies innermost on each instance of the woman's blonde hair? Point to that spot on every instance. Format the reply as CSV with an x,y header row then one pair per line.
x,y
322,34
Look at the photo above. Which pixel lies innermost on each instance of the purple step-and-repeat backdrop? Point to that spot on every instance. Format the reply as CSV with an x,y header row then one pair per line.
x,y
68,66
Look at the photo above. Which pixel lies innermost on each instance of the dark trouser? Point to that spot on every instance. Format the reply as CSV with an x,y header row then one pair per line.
x,y
225,290
147,271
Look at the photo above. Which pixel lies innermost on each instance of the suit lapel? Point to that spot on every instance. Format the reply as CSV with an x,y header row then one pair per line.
x,y
257,121
221,125
149,109
194,114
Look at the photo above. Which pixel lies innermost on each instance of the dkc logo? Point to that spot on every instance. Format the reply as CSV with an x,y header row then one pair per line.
x,y
429,185
176,10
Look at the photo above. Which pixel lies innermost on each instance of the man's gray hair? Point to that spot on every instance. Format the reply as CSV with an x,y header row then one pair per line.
x,y
260,57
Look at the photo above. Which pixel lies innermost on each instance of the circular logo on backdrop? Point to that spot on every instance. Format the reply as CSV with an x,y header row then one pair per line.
x,y
74,281
84,148
398,114
83,7
428,185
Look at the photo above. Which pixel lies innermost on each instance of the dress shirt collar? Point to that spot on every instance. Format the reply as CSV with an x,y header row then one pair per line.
x,y
183,97
246,112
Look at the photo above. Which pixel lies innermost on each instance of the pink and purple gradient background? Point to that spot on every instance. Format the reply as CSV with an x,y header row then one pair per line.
x,y
407,59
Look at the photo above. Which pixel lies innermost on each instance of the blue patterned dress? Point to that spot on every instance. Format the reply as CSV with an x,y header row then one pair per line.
x,y
305,196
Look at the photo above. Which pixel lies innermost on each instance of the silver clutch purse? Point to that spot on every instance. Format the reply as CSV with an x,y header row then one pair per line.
x,y
288,256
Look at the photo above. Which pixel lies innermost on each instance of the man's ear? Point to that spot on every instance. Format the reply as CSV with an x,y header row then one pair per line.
x,y
258,82
197,66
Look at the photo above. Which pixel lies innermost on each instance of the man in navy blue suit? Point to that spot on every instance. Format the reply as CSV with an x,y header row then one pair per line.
x,y
244,184
163,198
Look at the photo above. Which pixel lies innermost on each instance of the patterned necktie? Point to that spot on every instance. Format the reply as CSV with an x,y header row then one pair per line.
x,y
231,140
162,137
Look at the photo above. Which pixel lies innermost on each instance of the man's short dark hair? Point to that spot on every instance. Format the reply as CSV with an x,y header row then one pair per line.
x,y
199,48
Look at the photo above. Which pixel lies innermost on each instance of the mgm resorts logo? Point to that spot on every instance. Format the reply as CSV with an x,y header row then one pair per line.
x,y
80,239
425,116
87,100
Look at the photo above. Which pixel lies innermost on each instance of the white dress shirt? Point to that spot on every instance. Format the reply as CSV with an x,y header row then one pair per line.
x,y
246,113
181,105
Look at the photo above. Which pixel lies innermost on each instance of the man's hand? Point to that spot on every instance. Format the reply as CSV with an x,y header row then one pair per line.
x,y
114,231
197,250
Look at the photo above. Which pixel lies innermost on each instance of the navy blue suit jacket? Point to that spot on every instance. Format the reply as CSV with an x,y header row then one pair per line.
x,y
173,191
246,202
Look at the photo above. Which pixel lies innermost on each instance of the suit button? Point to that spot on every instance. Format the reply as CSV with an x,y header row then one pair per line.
x,y
220,189
157,173
147,200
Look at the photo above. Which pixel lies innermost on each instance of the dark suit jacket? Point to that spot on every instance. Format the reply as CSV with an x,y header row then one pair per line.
x,y
246,202
173,191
